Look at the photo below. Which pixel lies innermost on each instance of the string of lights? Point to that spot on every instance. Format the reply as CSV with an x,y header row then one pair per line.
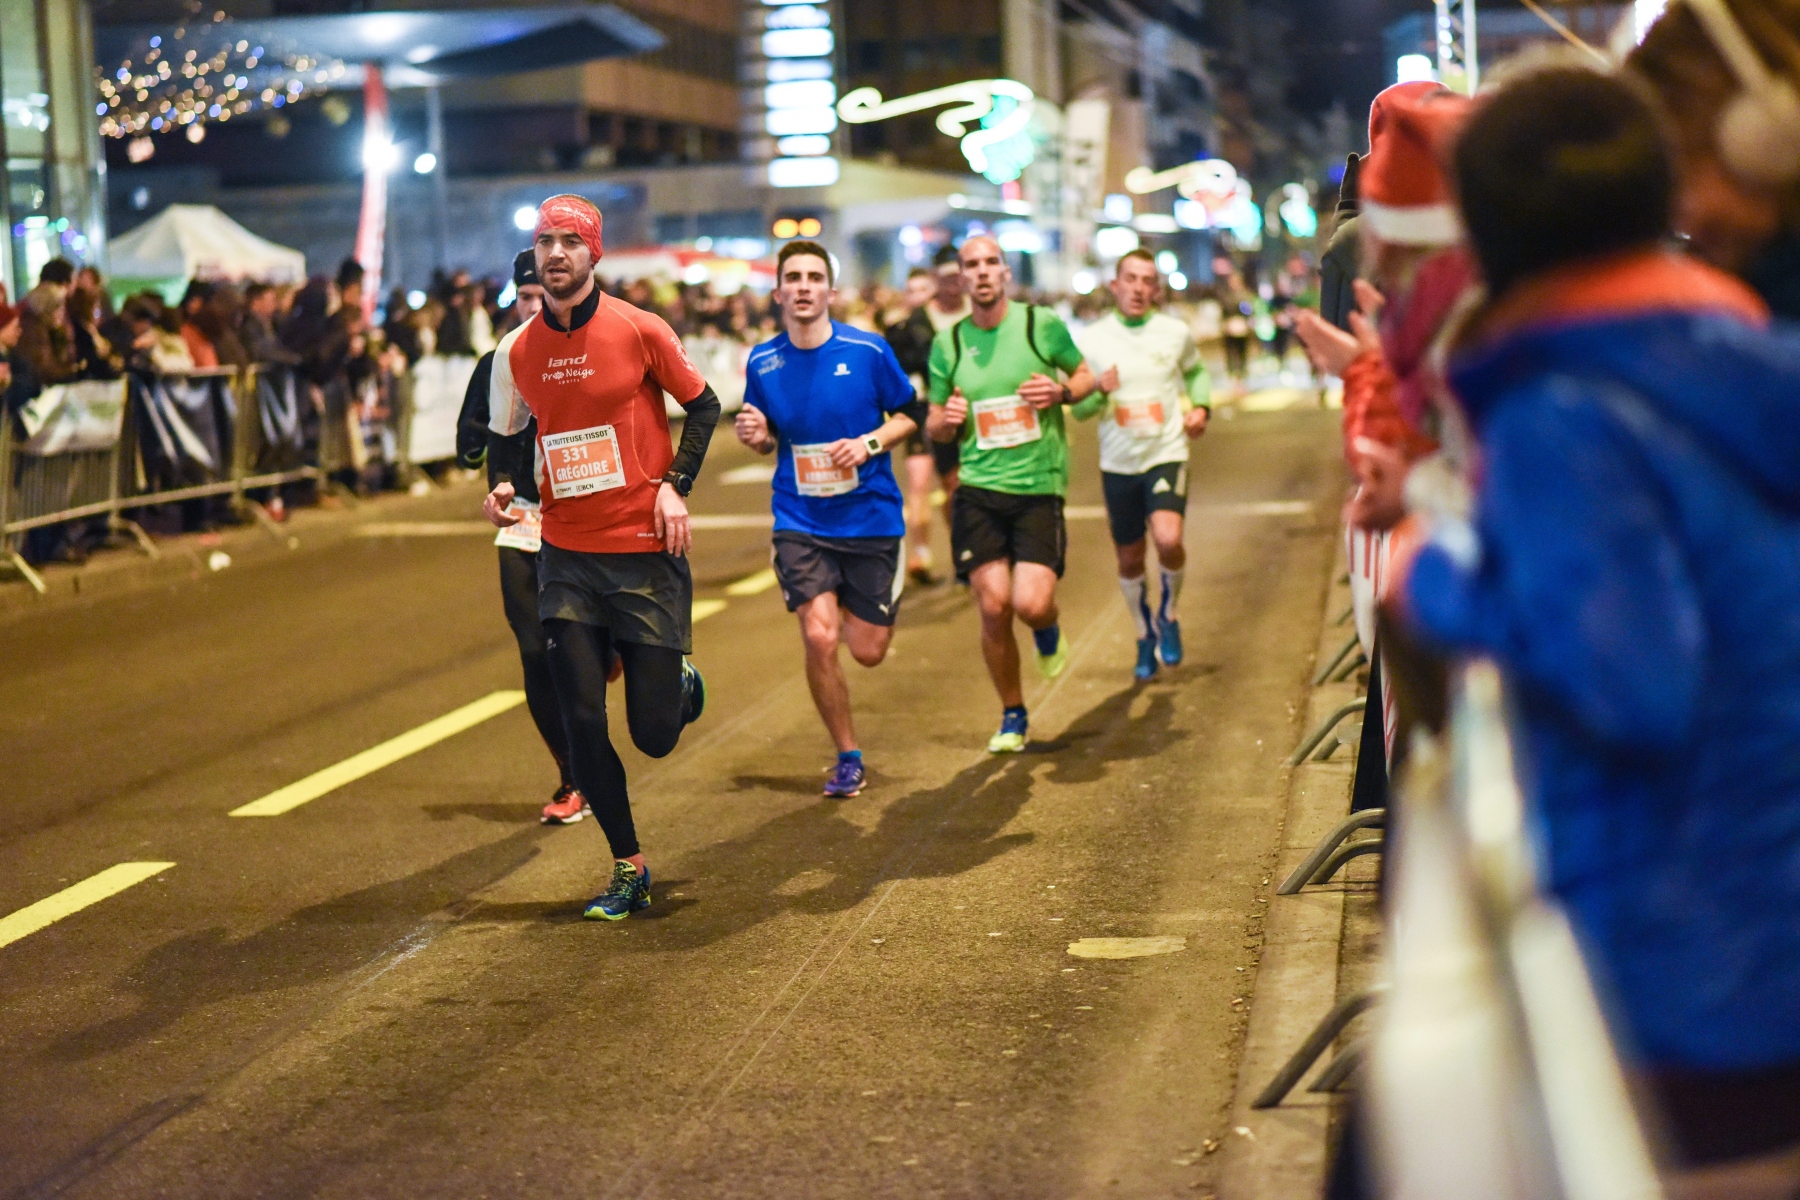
x,y
171,87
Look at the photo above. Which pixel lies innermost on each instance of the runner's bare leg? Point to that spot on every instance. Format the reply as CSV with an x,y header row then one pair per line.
x,y
993,586
820,628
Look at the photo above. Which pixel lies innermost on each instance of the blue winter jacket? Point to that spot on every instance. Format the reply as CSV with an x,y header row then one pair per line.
x,y
1638,578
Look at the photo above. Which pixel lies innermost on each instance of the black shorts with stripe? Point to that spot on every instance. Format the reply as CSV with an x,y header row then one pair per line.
x,y
864,573
1130,499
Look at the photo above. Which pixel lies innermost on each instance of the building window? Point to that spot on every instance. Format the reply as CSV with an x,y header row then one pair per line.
x,y
691,49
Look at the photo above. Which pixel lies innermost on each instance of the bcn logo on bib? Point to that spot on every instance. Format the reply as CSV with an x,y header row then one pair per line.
x,y
583,461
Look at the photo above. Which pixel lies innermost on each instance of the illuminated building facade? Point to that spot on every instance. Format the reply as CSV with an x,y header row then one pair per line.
x,y
53,202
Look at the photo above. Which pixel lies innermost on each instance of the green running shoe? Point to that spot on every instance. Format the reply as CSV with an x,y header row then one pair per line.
x,y
628,892
1011,738
1051,665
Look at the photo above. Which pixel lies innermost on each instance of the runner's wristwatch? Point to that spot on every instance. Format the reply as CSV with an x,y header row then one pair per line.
x,y
873,444
683,484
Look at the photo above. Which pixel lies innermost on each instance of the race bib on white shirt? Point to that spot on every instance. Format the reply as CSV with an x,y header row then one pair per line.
x,y
816,475
1004,421
528,534
1142,417
583,461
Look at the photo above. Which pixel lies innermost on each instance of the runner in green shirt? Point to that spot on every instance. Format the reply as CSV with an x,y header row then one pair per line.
x,y
994,387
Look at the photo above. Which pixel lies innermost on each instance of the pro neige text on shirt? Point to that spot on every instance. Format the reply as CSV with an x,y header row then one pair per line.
x,y
567,370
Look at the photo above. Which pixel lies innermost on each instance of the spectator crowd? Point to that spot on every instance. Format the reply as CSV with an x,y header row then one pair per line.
x,y
348,356
1562,311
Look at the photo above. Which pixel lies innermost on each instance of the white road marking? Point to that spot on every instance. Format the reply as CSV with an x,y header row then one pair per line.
x,y
376,757
70,900
707,608
376,529
733,521
382,529
1248,508
754,473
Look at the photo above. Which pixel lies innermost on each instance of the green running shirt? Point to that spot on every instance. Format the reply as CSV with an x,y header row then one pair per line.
x,y
1006,445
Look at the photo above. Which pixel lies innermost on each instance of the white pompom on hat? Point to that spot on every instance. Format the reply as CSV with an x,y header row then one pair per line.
x,y
1405,191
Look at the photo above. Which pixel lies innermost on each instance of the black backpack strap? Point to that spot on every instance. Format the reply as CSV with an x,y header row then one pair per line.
x,y
1031,335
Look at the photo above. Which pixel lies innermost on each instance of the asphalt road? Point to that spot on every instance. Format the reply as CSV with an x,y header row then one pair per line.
x,y
389,991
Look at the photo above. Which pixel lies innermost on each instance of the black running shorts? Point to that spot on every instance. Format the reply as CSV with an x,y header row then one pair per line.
x,y
988,526
1130,499
864,573
645,598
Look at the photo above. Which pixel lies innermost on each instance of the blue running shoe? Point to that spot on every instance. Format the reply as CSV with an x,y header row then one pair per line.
x,y
628,892
847,779
693,693
1168,636
1146,663
1011,738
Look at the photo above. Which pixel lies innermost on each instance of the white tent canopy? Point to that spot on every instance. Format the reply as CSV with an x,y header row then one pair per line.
x,y
197,241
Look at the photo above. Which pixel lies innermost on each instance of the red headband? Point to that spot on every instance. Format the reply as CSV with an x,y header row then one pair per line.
x,y
571,212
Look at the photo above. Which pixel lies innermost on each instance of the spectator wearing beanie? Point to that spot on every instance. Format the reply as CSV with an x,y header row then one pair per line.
x,y
1632,564
1338,266
1738,189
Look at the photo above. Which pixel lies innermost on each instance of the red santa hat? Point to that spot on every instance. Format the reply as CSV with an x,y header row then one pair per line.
x,y
1405,194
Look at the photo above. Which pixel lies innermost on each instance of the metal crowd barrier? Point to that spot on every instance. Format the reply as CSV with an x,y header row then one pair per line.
x,y
264,408
1492,1075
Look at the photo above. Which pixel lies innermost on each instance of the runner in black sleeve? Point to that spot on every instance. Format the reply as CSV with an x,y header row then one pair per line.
x,y
613,573
910,338
508,459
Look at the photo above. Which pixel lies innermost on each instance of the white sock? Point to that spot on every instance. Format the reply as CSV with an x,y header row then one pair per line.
x,y
1137,601
1171,594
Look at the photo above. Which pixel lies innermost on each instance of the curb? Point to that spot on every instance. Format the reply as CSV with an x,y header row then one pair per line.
x,y
1282,1153
125,569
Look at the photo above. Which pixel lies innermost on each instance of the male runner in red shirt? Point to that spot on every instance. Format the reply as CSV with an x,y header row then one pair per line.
x,y
612,576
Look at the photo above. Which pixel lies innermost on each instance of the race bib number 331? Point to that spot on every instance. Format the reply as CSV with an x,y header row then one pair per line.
x,y
583,461
1004,421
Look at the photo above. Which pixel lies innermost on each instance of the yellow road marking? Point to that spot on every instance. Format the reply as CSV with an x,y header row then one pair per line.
x,y
376,757
92,890
753,585
707,608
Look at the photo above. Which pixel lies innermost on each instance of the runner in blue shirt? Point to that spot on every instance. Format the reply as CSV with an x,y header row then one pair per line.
x,y
829,401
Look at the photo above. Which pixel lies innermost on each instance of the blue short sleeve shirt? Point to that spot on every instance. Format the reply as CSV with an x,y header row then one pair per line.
x,y
844,389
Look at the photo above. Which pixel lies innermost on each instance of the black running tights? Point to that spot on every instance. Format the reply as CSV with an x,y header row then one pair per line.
x,y
580,656
519,596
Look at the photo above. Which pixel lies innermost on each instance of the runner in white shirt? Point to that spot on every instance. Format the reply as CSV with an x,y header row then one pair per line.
x,y
1154,395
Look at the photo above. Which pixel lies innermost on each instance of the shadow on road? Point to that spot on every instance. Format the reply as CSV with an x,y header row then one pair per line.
x,y
812,861
328,940
816,861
